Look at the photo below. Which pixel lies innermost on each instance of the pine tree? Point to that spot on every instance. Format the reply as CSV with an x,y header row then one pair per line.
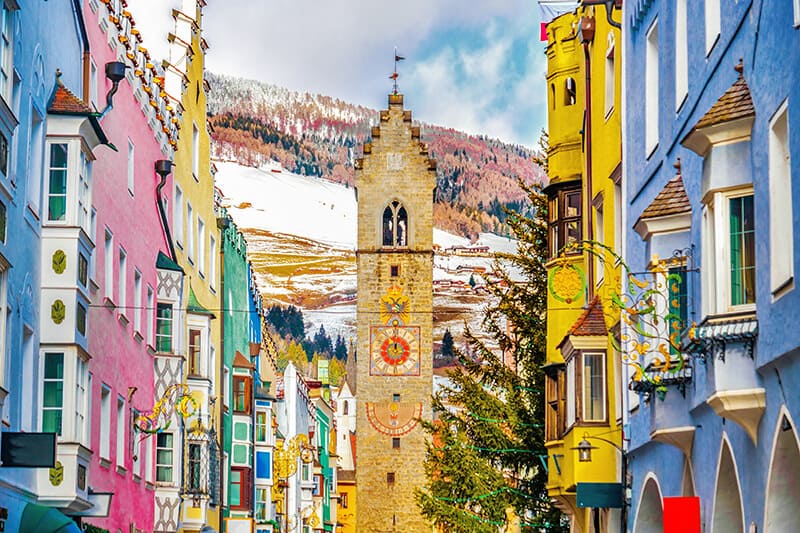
x,y
340,350
484,458
447,344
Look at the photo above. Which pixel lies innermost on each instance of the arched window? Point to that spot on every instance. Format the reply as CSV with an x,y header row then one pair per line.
x,y
570,92
395,225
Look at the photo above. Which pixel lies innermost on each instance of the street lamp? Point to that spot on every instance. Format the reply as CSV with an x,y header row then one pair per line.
x,y
585,448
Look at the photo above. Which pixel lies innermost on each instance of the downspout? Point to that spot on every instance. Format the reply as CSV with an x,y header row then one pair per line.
x,y
77,10
222,225
163,168
587,36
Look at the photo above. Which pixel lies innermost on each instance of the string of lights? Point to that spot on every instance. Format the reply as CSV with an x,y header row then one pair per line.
x,y
500,421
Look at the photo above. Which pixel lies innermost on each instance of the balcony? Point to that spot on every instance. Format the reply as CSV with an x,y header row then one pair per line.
x,y
726,345
66,486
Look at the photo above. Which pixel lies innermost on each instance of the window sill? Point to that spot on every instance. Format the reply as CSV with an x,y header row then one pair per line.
x,y
121,470
783,289
138,336
93,286
123,319
105,463
137,478
109,303
149,485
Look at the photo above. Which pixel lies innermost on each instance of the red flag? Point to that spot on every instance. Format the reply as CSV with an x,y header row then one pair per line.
x,y
393,76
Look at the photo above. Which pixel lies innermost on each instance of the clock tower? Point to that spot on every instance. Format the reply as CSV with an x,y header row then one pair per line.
x,y
395,184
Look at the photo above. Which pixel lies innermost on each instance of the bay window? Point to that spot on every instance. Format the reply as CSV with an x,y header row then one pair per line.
x,y
564,216
194,471
65,396
57,183
594,387
195,352
53,394
69,184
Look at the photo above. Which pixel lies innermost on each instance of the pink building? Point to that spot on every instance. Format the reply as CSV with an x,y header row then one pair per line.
x,y
128,235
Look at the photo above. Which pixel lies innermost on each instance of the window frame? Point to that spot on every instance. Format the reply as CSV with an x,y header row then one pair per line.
x,y
558,223
681,54
119,457
610,75
177,215
64,216
164,466
651,99
122,270
261,427
194,479
165,320
780,200
390,236
105,423
581,375
712,22
194,356
244,488
245,393
131,167
57,381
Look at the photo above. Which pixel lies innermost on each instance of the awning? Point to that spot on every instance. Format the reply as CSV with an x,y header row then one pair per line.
x,y
43,519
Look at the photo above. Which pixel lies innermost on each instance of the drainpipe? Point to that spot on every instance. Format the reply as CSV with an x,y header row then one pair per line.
x,y
163,167
222,224
115,71
587,36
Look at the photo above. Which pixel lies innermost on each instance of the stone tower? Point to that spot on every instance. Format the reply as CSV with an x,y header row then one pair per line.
x,y
395,184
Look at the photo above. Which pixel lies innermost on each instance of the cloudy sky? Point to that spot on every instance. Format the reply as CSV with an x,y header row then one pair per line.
x,y
476,66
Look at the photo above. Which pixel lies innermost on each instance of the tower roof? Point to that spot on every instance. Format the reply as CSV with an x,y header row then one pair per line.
x,y
64,102
735,103
672,200
592,321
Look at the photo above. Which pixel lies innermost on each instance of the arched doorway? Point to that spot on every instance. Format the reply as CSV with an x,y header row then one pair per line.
x,y
728,516
783,486
650,515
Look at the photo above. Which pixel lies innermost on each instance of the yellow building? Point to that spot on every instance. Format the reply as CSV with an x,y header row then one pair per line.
x,y
583,370
197,246
346,506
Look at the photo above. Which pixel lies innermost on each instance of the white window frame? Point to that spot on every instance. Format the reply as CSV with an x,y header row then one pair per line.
x,y
177,213
131,166
136,460
47,180
713,23
610,78
123,280
121,426
681,54
84,192
108,265
92,83
781,229
36,158
64,387
137,301
93,236
201,246
226,388
195,152
4,267
599,236
603,387
571,393
81,401
151,306
105,422
148,460
796,13
6,52
190,232
715,271
651,90
212,260
171,465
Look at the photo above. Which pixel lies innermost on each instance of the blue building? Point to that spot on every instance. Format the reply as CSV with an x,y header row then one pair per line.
x,y
31,50
711,90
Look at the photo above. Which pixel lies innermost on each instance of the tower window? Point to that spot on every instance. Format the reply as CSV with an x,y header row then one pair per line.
x,y
570,92
390,478
396,443
395,225
395,398
394,270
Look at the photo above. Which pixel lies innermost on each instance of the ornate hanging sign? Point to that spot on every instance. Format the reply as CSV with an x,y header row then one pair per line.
x,y
178,399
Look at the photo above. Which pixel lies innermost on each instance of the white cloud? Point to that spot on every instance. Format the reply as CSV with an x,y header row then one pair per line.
x,y
344,48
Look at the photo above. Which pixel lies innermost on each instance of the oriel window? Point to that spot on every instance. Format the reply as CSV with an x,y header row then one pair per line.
x,y
565,221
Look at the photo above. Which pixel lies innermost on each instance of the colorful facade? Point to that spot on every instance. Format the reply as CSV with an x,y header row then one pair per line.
x,y
583,368
710,178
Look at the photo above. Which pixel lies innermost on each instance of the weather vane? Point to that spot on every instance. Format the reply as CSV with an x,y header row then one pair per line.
x,y
395,75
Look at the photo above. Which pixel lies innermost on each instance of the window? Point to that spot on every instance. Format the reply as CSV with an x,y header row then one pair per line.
x,y
564,216
150,314
781,230
678,305
553,95
554,392
343,500
123,266
395,225
570,392
137,449
194,352
742,260
137,301
238,497
681,54
390,478
345,407
201,246
164,328
108,265
594,387
84,194
261,426
93,236
712,23
164,457
396,443
80,319
34,188
148,460
570,91
610,78
395,397
394,271
599,236
4,266
92,84
189,232
6,52
53,394
261,505
177,214
105,423
195,151
651,91
796,13
226,377
121,425
131,167
194,481
212,261
241,394
57,183
83,270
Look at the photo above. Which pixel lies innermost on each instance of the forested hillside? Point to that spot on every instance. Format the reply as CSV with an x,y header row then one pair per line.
x,y
255,122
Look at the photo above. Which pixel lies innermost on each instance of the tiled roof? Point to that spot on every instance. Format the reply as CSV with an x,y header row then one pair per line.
x,y
735,103
240,361
64,102
592,322
255,349
672,200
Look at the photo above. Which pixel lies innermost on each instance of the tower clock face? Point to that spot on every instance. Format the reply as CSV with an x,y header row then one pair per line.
x,y
394,351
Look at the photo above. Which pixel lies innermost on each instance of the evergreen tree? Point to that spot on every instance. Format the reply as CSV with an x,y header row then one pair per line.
x,y
483,461
447,344
340,350
322,342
